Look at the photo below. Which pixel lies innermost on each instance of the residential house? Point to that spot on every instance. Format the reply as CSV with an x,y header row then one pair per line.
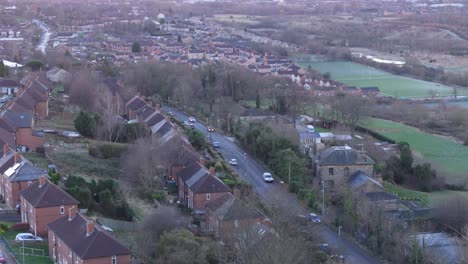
x,y
335,165
370,91
19,176
363,183
58,75
8,86
197,186
77,239
32,98
20,126
308,140
133,105
42,203
228,216
382,200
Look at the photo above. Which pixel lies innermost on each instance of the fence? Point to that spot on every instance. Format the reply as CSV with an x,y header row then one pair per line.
x,y
25,255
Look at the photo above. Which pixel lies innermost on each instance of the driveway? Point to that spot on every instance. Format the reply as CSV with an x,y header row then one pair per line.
x,y
251,171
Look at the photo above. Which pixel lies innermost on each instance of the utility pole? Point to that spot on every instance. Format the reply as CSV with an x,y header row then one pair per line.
x,y
323,198
289,174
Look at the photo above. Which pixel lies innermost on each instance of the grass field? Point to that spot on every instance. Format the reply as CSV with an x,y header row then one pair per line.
x,y
406,194
355,74
447,156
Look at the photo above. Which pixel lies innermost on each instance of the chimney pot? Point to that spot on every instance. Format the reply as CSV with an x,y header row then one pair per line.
x,y
42,181
71,213
89,228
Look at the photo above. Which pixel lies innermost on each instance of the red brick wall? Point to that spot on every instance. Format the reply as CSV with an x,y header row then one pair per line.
x,y
38,218
200,199
42,109
62,252
12,192
24,137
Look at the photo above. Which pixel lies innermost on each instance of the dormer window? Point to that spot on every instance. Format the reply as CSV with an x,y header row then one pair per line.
x,y
62,209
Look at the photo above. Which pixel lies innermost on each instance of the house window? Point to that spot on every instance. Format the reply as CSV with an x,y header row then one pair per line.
x,y
236,224
29,183
208,196
114,260
330,171
69,253
346,171
62,209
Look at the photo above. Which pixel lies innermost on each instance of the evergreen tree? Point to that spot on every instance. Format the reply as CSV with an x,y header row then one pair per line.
x,y
85,124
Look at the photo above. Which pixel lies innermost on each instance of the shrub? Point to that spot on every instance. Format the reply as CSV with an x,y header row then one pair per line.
x,y
159,196
85,124
218,167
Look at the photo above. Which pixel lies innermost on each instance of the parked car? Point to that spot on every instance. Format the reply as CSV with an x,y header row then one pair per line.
x,y
267,177
2,258
192,126
192,119
210,129
216,144
315,218
27,237
233,162
171,113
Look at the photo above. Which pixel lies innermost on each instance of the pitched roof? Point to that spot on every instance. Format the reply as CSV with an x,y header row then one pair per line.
x,y
135,103
47,195
145,112
155,119
209,184
187,172
9,83
228,208
7,160
380,196
98,244
19,119
359,178
343,155
24,171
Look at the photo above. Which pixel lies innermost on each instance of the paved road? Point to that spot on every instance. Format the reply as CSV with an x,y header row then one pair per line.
x,y
251,171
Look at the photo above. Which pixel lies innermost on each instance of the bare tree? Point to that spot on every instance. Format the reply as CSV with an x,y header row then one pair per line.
x,y
83,91
351,109
110,124
452,213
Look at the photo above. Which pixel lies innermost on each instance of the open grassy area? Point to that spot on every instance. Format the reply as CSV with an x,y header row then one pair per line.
x,y
407,194
38,159
447,156
355,74
84,165
437,196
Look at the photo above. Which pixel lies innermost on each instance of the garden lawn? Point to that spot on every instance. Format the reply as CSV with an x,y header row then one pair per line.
x,y
355,74
448,157
407,194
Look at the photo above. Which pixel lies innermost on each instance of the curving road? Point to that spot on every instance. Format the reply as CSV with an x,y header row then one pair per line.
x,y
251,171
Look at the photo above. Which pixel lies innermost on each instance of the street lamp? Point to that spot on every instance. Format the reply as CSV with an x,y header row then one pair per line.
x,y
339,231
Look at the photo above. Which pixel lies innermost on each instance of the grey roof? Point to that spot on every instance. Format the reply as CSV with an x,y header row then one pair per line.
x,y
380,196
342,155
26,172
360,178
228,208
9,83
96,245
209,184
164,129
19,120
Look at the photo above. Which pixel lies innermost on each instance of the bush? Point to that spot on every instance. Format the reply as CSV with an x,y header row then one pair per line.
x,y
107,150
218,167
159,196
295,187
85,124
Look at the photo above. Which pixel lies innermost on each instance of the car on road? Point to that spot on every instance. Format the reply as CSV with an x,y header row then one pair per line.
x,y
233,162
315,218
216,144
192,119
267,177
2,258
210,129
27,237
192,126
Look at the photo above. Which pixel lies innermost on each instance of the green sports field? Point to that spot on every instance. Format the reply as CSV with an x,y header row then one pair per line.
x,y
355,74
447,156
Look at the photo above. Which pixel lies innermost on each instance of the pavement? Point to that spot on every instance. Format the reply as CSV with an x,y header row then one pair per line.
x,y
6,253
251,171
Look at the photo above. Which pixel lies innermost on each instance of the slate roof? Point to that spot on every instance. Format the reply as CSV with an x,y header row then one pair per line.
x,y
19,119
26,172
164,129
9,83
380,196
359,178
97,245
136,103
209,184
228,208
342,155
145,111
6,161
188,171
155,119
47,195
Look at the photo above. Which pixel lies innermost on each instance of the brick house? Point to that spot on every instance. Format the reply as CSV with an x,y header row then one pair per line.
x,y
17,178
75,239
42,203
335,165
197,186
8,86
228,215
21,123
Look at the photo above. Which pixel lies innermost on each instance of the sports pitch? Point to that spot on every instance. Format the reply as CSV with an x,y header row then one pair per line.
x,y
355,74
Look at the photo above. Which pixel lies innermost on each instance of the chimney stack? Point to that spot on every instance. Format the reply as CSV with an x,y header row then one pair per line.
x,y
42,181
17,158
71,213
5,149
212,171
89,228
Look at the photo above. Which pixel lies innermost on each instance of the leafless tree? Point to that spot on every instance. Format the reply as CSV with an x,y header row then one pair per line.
x,y
351,109
110,124
83,91
453,213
